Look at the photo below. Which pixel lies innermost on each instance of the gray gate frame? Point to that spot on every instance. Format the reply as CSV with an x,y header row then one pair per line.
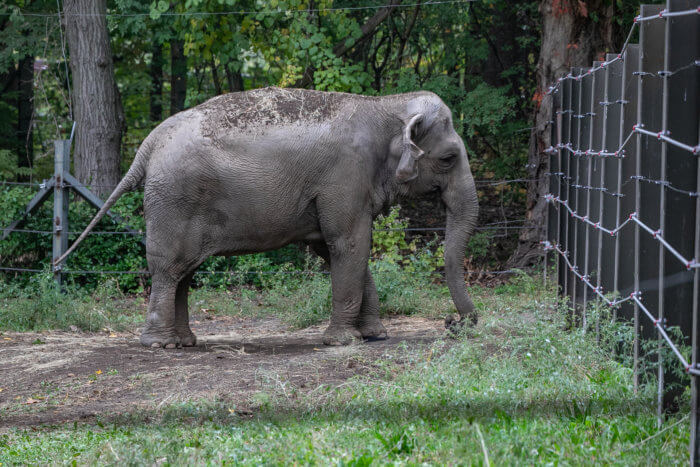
x,y
60,183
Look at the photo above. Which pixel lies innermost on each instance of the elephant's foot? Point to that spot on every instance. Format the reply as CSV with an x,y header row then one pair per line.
x,y
454,322
340,335
187,337
157,339
371,327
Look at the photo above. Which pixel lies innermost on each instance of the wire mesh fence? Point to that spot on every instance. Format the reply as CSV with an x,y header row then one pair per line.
x,y
628,127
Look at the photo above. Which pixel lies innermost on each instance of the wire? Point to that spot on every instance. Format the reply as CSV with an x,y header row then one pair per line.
x,y
664,183
253,12
633,217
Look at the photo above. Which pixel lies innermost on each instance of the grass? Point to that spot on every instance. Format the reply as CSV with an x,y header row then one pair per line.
x,y
300,300
518,389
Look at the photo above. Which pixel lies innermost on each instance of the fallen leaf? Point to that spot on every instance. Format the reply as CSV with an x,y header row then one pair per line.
x,y
98,372
113,335
7,338
31,401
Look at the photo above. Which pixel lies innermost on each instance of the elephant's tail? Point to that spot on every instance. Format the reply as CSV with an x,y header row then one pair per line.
x,y
131,180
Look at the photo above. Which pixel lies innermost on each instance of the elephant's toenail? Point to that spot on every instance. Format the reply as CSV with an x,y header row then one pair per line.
x,y
170,346
155,345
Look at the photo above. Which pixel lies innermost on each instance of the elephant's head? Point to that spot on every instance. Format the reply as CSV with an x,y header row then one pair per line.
x,y
431,156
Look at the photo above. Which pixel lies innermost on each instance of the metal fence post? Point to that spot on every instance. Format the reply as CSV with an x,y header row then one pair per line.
x,y
60,203
695,339
637,204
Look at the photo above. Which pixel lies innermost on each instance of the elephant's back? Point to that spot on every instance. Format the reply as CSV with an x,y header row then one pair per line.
x,y
256,110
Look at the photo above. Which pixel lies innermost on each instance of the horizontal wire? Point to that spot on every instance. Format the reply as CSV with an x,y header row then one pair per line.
x,y
494,226
666,184
634,296
485,181
247,12
620,151
633,217
602,189
240,273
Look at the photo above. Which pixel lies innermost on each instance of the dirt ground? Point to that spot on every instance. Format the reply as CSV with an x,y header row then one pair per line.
x,y
57,377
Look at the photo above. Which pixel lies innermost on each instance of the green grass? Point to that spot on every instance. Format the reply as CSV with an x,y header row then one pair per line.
x,y
300,300
519,389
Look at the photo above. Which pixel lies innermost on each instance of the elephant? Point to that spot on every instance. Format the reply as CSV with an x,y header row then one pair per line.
x,y
254,171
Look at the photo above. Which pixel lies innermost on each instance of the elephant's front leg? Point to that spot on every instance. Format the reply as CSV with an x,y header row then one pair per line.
x,y
368,322
349,254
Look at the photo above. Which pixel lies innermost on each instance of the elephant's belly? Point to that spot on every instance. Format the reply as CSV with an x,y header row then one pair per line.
x,y
269,233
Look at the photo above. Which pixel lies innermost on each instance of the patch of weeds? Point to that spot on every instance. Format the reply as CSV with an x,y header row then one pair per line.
x,y
44,305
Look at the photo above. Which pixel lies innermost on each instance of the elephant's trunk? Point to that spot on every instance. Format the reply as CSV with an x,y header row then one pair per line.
x,y
462,211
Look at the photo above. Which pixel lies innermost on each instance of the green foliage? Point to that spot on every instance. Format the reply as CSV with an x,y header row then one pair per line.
x,y
479,246
8,166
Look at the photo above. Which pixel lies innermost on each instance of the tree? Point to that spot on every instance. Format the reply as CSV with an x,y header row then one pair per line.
x,y
25,109
178,75
156,73
97,105
573,33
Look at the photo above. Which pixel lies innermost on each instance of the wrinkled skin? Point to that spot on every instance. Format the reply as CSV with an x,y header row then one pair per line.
x,y
254,171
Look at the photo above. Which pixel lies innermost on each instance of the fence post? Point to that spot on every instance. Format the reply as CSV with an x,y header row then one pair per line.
x,y
60,203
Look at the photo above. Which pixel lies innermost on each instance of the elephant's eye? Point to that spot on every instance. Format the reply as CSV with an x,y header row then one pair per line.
x,y
448,160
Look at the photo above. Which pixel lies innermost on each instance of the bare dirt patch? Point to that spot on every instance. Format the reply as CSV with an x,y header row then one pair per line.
x,y
57,377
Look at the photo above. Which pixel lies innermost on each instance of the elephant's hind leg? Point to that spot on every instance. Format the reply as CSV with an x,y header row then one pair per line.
x,y
368,322
182,318
160,322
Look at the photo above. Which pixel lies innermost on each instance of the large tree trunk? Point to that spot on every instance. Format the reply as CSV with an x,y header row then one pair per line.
x,y
235,80
178,76
98,110
569,38
25,109
156,73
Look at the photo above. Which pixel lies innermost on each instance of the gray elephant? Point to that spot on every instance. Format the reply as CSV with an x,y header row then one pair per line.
x,y
254,171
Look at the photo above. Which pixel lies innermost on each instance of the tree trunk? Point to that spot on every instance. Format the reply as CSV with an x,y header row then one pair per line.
x,y
235,80
178,76
569,38
215,76
156,73
25,110
98,110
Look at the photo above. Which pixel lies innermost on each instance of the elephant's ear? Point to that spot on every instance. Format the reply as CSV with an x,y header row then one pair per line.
x,y
410,153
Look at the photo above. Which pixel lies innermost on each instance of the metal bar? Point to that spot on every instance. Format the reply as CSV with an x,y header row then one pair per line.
x,y
566,94
36,201
662,226
574,244
695,340
98,203
589,174
637,204
60,203
663,136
